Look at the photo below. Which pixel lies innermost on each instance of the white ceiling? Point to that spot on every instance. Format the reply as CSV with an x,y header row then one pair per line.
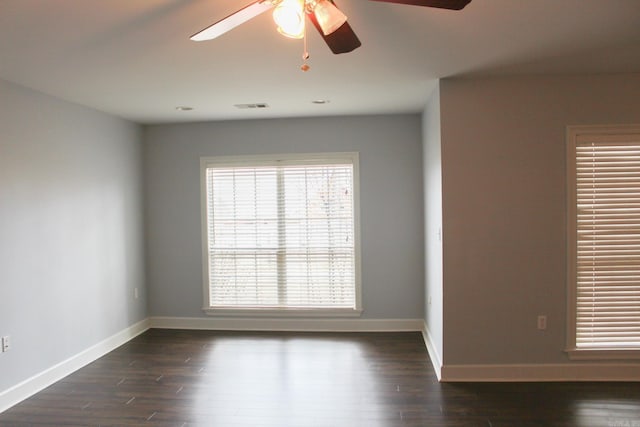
x,y
134,59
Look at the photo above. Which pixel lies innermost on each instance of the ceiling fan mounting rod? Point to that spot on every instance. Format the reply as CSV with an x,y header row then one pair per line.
x,y
309,5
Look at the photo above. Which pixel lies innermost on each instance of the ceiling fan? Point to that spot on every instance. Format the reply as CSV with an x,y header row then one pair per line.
x,y
330,22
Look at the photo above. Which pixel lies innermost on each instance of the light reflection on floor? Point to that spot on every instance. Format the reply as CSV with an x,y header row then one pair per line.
x,y
607,413
303,381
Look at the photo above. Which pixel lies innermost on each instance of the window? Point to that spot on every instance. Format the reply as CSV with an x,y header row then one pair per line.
x,y
604,241
281,234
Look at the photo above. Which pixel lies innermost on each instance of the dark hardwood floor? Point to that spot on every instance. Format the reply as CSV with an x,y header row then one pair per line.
x,y
229,379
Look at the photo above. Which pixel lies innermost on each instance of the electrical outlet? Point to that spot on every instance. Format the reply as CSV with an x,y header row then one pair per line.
x,y
6,344
542,322
135,293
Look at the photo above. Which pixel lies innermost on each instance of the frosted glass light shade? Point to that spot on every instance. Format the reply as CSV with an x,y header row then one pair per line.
x,y
329,17
289,16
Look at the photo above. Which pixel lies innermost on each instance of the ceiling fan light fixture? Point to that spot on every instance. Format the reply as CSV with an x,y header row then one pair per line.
x,y
289,17
329,17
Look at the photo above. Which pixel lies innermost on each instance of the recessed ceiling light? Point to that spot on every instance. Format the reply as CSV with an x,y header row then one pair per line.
x,y
184,108
320,101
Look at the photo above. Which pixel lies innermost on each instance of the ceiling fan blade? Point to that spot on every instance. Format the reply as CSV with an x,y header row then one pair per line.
x,y
342,40
441,4
233,20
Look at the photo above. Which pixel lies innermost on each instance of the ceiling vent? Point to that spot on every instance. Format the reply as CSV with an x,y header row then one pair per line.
x,y
251,106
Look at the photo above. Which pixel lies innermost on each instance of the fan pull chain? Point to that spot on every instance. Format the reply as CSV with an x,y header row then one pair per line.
x,y
305,54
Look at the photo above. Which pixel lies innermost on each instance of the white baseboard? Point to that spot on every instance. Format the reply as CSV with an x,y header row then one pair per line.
x,y
44,379
436,360
295,325
542,372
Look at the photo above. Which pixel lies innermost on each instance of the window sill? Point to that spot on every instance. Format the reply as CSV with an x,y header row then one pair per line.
x,y
603,354
282,312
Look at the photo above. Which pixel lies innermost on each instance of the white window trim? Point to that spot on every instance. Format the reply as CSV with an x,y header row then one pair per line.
x,y
572,135
281,159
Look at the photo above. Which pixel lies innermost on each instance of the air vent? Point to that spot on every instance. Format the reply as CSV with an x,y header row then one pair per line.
x,y
250,106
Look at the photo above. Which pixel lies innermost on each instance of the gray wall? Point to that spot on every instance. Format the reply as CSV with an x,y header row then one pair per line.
x,y
432,173
503,177
391,202
71,248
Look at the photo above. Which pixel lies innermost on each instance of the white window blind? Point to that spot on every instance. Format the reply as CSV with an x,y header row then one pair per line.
x,y
281,234
607,246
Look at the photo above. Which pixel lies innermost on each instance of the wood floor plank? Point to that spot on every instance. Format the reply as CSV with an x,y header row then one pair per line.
x,y
232,379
